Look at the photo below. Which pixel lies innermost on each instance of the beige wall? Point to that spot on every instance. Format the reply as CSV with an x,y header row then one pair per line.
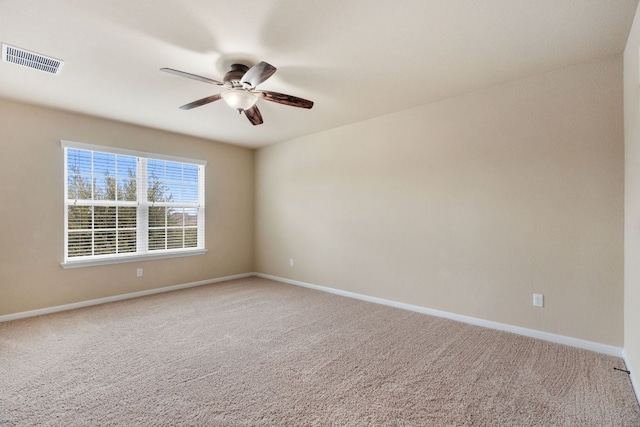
x,y
632,201
31,210
468,205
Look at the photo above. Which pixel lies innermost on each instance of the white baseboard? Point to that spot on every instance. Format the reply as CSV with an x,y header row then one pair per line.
x,y
546,336
634,381
560,339
65,307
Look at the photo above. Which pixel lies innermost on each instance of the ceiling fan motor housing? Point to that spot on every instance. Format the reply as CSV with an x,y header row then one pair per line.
x,y
232,77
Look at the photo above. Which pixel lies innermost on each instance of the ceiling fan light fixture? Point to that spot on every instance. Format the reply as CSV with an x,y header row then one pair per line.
x,y
239,99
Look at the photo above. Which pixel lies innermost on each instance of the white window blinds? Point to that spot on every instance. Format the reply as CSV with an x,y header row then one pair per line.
x,y
122,205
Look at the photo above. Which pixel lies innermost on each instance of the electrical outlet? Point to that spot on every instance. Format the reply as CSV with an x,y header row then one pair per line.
x,y
538,300
139,272
290,262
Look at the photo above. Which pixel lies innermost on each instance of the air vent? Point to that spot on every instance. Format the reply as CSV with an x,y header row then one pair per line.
x,y
31,60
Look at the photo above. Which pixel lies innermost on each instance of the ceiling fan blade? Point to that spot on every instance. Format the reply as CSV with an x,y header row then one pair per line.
x,y
257,74
191,76
254,116
201,102
281,98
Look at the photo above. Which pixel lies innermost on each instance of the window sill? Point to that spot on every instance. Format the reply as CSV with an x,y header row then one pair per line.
x,y
131,258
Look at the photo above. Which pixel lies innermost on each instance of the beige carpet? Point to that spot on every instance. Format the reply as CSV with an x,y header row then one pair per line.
x,y
255,352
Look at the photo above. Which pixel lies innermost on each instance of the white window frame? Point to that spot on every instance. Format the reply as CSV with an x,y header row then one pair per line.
x,y
142,204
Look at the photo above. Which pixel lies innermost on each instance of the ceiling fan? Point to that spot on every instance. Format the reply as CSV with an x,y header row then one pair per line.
x,y
241,93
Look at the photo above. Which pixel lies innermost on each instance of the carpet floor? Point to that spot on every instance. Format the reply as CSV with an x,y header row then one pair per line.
x,y
254,352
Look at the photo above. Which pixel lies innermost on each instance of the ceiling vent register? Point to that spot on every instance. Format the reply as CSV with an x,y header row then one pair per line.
x,y
33,60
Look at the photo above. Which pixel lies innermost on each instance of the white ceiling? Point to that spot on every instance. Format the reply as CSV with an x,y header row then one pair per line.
x,y
356,59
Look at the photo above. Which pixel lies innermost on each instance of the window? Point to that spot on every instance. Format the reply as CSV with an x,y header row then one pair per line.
x,y
123,205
